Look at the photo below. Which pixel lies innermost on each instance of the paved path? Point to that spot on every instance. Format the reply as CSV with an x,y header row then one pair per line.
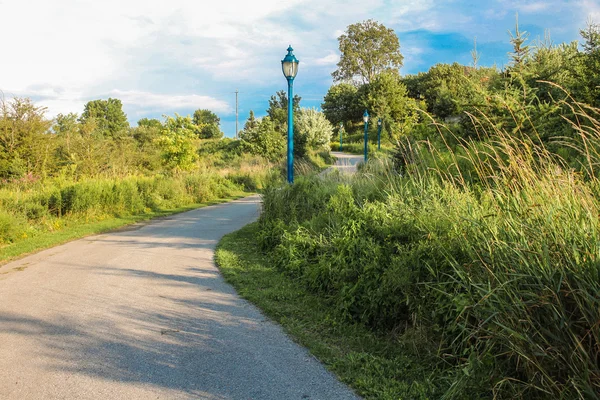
x,y
144,314
346,162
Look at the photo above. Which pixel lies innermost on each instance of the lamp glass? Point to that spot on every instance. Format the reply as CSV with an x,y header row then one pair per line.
x,y
290,68
366,118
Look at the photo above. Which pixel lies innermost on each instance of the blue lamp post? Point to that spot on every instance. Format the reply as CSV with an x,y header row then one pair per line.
x,y
379,124
366,119
289,65
341,129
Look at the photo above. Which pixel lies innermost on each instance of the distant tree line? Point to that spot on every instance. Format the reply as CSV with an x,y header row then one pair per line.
x,y
97,142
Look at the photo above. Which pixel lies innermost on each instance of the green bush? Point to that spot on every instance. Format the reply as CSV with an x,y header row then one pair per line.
x,y
36,208
11,227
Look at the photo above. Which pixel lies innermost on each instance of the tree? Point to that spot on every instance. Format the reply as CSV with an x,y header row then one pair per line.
x,y
150,123
341,104
264,140
251,122
146,137
313,131
177,143
24,144
446,88
65,123
108,114
278,109
387,98
207,123
589,65
521,51
368,48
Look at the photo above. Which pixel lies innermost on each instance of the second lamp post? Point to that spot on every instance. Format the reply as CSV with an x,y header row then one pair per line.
x,y
289,65
366,119
379,123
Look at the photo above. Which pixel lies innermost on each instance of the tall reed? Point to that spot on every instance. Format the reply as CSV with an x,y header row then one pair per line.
x,y
490,247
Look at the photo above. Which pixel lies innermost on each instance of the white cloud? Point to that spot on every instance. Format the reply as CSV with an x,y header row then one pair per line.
x,y
331,59
185,54
534,7
88,48
592,9
156,102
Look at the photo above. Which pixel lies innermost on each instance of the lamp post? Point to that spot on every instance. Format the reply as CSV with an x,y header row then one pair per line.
x,y
379,124
366,120
341,129
289,65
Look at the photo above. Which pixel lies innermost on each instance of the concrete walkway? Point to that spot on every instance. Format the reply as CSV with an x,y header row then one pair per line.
x,y
144,314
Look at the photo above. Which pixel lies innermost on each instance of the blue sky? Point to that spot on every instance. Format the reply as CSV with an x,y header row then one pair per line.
x,y
174,57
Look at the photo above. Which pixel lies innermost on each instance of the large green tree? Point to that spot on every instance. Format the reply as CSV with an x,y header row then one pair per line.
x,y
177,143
25,146
109,116
342,105
264,140
367,49
208,124
387,98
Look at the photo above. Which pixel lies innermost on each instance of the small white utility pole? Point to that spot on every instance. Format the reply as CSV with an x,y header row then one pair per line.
x,y
236,113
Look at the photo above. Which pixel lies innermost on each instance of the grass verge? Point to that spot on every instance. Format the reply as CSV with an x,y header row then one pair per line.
x,y
77,228
375,366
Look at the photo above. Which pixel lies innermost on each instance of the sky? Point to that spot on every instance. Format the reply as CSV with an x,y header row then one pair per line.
x,y
165,57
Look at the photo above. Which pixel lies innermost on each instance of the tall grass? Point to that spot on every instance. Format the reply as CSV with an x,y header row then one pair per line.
x,y
489,250
27,210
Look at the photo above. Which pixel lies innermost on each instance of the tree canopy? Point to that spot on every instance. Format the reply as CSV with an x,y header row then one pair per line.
x,y
341,104
207,123
367,49
108,114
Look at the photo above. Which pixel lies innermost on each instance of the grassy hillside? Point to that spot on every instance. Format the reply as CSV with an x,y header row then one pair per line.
x,y
479,261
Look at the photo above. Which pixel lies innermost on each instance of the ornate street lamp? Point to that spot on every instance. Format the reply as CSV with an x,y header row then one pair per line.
x,y
366,120
379,124
289,65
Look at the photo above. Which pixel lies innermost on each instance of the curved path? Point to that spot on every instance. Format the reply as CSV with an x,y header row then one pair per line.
x,y
144,314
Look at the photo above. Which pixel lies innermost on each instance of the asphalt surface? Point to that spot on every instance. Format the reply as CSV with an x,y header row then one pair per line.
x,y
144,314
346,163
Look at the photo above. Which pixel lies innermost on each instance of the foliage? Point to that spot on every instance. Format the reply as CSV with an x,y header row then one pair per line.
x,y
588,71
251,122
342,105
312,131
177,143
521,52
375,366
368,48
108,115
208,124
386,98
489,250
24,143
26,214
150,123
264,140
